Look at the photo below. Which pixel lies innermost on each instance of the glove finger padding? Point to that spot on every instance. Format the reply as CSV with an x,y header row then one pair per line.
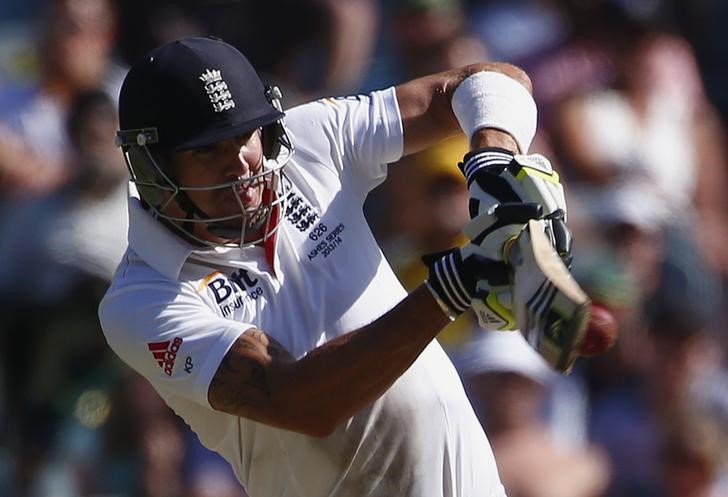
x,y
560,236
534,174
496,176
492,229
551,309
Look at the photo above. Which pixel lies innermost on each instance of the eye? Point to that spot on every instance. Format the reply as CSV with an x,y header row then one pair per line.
x,y
245,138
207,149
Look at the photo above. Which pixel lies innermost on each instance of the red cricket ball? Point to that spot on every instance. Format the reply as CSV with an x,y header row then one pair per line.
x,y
601,333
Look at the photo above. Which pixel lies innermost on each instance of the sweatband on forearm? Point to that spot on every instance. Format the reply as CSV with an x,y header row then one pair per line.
x,y
490,99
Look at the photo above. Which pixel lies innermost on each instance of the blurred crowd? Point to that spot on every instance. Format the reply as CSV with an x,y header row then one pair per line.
x,y
633,110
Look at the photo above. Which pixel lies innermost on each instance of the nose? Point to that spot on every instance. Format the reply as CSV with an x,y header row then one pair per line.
x,y
240,157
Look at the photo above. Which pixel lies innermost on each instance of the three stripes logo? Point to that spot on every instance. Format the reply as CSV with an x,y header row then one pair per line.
x,y
165,353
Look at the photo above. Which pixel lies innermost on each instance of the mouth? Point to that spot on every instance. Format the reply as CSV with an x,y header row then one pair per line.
x,y
250,191
249,197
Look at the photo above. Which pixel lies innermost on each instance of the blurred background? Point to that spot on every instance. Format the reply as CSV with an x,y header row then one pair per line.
x,y
633,106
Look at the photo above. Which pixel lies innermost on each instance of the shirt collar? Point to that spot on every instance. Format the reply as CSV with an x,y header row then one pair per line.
x,y
165,251
158,246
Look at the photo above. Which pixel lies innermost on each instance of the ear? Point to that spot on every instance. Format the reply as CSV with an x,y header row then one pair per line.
x,y
271,139
147,172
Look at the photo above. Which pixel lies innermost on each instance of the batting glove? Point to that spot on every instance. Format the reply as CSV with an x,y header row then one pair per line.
x,y
547,304
476,276
456,274
496,176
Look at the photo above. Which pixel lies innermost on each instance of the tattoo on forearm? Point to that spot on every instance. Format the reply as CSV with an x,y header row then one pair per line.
x,y
258,379
242,379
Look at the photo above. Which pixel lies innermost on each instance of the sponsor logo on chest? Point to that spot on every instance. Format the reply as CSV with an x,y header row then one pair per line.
x,y
232,291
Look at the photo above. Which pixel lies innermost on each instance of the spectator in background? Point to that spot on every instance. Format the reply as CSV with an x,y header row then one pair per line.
x,y
43,298
436,187
655,135
587,43
608,276
426,182
35,153
72,247
432,35
692,457
91,235
680,372
646,166
320,48
74,54
508,384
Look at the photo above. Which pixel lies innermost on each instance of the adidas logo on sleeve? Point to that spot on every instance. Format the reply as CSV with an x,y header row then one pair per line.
x,y
165,353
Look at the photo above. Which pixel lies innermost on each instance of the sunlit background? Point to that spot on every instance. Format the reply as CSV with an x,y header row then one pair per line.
x,y
633,106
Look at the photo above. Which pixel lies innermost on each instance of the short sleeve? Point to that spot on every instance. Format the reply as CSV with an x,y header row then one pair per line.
x,y
169,336
373,128
357,136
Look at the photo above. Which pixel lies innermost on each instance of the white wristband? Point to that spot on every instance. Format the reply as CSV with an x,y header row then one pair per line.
x,y
490,99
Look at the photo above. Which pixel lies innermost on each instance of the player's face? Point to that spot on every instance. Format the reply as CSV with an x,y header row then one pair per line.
x,y
233,159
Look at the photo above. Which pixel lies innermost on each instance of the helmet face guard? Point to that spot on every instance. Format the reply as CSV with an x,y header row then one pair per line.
x,y
159,190
189,94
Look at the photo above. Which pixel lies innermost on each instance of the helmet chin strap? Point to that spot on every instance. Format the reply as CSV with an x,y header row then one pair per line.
x,y
236,233
192,211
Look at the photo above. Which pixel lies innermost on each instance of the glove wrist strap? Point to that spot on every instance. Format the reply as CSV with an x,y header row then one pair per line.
x,y
451,315
496,159
446,281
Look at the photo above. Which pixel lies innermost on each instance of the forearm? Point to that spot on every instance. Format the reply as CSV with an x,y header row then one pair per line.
x,y
490,137
333,382
367,361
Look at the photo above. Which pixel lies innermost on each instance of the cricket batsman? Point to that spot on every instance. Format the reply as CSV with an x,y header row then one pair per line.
x,y
256,301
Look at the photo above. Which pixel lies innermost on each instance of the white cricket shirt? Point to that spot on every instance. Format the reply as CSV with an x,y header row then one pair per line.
x,y
173,311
